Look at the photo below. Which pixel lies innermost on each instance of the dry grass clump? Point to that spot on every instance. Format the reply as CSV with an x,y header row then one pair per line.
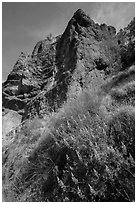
x,y
16,152
124,94
123,78
82,156
122,129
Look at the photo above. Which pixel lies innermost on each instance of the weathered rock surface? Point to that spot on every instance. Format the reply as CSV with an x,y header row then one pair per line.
x,y
10,120
61,67
85,150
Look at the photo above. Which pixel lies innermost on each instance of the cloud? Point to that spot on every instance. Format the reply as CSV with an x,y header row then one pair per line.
x,y
117,14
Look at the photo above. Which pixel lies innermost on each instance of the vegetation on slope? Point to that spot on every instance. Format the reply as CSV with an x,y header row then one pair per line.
x,y
84,152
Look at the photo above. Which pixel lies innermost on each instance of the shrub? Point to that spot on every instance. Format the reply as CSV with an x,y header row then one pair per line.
x,y
124,95
80,157
122,129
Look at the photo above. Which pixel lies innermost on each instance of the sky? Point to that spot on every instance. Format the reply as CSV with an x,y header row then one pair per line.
x,y
26,23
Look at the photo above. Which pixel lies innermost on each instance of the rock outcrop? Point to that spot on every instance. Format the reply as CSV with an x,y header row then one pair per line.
x,y
61,67
69,117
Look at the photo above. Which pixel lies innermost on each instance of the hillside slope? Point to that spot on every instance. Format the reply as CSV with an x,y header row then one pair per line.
x,y
74,99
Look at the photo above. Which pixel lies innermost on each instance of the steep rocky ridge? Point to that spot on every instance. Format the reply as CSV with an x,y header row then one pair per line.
x,y
69,117
61,67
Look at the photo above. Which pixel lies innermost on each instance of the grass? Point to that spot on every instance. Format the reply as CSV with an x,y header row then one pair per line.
x,y
79,154
125,94
122,129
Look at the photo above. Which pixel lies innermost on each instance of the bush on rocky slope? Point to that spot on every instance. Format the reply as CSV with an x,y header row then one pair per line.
x,y
81,156
81,91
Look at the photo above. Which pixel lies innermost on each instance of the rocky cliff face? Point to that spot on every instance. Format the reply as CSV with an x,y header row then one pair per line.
x,y
85,150
60,67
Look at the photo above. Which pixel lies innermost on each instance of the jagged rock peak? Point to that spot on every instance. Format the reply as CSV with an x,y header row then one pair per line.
x,y
62,66
82,18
